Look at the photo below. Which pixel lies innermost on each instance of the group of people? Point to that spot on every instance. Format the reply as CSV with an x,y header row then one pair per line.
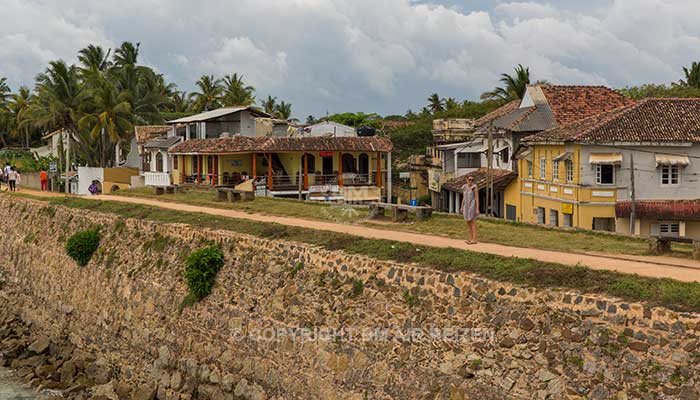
x,y
10,176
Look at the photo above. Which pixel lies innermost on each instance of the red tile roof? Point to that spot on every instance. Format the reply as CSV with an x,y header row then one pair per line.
x,y
501,179
499,112
145,133
649,120
244,144
573,103
661,209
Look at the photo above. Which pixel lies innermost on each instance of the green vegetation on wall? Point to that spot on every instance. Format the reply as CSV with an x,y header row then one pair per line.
x,y
201,269
81,246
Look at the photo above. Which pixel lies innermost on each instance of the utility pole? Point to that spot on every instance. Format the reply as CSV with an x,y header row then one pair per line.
x,y
299,177
67,182
633,195
489,155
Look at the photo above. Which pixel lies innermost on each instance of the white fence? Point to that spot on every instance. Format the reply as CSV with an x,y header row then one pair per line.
x,y
158,179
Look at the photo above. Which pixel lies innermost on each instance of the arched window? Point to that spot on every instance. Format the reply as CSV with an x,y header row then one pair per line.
x,y
159,162
364,164
349,164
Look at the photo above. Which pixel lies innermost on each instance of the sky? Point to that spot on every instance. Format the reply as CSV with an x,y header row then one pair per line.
x,y
384,56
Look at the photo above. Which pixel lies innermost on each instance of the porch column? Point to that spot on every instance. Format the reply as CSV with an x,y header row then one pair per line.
x,y
388,177
153,161
215,177
199,169
451,204
187,132
182,170
306,171
378,178
269,171
166,162
340,168
254,167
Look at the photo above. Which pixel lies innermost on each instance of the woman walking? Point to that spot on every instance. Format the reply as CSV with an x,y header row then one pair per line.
x,y
12,179
470,207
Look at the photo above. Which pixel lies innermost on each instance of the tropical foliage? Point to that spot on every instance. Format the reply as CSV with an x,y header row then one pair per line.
x,y
685,88
514,86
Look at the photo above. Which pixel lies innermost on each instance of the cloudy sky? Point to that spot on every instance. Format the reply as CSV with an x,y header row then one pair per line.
x,y
382,56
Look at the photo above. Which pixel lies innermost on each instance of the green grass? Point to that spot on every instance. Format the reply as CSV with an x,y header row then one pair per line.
x,y
676,295
490,230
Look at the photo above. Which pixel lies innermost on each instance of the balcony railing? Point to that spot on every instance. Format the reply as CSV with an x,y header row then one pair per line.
x,y
157,179
286,182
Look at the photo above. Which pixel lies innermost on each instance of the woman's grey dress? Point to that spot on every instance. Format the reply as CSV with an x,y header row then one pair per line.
x,y
469,202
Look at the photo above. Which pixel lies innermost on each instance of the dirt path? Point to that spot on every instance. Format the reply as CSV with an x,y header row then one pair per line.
x,y
661,267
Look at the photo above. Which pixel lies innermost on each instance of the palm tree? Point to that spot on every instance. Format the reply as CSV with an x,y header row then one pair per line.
x,y
269,104
93,59
310,120
209,95
126,55
21,121
692,76
109,120
451,104
435,103
4,91
180,102
236,92
5,116
514,86
283,111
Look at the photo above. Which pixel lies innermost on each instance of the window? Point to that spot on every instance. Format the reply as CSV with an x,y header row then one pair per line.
x,y
569,170
363,161
553,217
175,158
605,174
670,175
311,163
159,162
540,215
543,168
505,156
468,160
529,168
604,224
349,164
555,170
568,220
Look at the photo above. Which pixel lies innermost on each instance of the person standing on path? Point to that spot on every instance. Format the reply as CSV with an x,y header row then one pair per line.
x,y
470,207
44,178
12,179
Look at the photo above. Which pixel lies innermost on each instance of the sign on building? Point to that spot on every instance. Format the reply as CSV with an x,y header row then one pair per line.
x,y
53,167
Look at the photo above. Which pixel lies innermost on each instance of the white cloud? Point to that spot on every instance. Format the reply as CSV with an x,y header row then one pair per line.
x,y
384,56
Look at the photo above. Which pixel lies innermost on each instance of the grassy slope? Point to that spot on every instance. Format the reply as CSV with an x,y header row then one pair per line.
x,y
495,231
665,292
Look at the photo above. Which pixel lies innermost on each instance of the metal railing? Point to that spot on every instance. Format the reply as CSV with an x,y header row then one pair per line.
x,y
284,182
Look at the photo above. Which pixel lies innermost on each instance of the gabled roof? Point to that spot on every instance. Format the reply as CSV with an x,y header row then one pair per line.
x,y
500,111
145,133
660,209
163,143
501,179
649,120
572,103
221,112
245,144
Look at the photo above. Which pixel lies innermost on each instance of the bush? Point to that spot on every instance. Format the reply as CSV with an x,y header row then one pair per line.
x,y
81,246
425,200
200,272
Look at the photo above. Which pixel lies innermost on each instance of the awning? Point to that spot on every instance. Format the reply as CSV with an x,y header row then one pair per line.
x,y
564,156
524,153
605,158
500,149
671,159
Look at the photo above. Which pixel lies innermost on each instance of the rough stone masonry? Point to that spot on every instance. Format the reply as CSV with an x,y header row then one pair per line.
x,y
114,329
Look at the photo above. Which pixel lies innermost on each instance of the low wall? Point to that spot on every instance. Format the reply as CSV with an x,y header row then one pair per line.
x,y
516,342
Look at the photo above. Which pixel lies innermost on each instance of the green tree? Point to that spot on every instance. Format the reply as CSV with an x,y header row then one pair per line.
x,y
514,86
109,121
21,119
236,92
270,104
283,111
209,94
692,76
310,120
180,102
435,103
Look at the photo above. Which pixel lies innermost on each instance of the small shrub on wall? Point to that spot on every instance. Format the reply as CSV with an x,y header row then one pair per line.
x,y
201,269
81,246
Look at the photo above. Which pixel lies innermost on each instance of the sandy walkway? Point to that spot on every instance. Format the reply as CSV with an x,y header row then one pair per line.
x,y
659,267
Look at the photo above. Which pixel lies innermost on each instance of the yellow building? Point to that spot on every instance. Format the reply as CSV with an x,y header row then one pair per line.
x,y
550,189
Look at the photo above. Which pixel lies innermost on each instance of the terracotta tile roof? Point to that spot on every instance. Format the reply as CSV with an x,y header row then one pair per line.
x,y
145,133
503,110
649,120
573,103
501,179
244,144
661,209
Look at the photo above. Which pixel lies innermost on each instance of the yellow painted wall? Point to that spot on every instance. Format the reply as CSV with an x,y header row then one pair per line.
x,y
107,186
120,175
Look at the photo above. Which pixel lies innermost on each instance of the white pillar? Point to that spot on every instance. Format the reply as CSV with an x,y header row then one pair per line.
x,y
203,135
388,177
187,132
153,161
166,162
117,154
173,132
451,202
